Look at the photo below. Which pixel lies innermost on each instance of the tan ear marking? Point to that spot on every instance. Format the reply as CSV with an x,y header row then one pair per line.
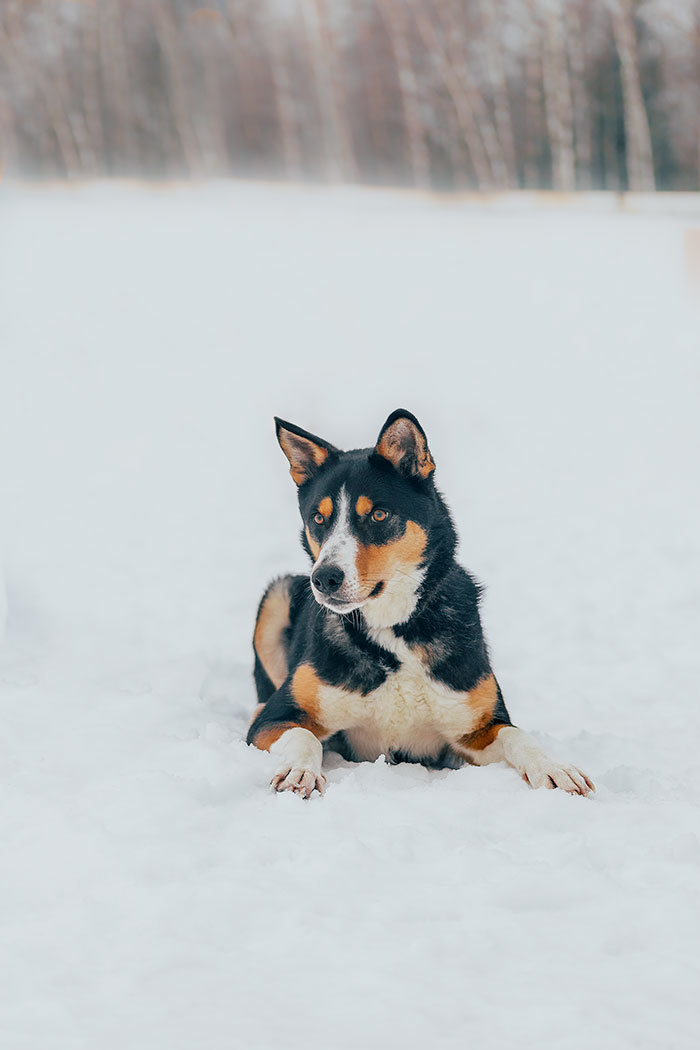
x,y
305,456
405,446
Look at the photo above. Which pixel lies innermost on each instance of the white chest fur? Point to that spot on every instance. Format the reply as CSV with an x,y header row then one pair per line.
x,y
409,712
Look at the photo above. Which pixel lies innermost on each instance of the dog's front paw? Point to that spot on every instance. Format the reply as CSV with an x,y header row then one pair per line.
x,y
546,772
301,781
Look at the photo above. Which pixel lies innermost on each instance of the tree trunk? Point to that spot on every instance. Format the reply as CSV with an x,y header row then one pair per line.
x,y
534,130
638,152
175,63
22,61
393,15
451,71
8,135
338,155
117,91
557,94
71,111
91,86
492,17
285,102
457,34
582,119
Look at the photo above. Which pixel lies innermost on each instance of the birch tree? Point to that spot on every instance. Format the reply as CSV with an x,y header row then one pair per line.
x,y
640,161
394,15
557,94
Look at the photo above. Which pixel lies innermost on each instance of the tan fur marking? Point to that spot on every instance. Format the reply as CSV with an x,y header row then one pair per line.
x,y
267,639
481,700
299,451
304,687
325,507
265,738
315,547
363,506
430,653
480,739
396,442
378,562
305,690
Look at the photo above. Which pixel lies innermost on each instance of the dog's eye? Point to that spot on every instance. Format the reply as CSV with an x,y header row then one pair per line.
x,y
319,519
379,515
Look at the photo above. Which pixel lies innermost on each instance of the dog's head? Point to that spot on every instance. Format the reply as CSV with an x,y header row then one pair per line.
x,y
373,520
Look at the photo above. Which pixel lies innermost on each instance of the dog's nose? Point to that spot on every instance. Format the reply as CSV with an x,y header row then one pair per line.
x,y
328,578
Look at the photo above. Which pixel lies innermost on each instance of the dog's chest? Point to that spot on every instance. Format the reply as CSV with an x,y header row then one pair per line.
x,y
409,712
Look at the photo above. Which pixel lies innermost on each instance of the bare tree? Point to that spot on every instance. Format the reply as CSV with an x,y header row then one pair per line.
x,y
449,60
207,31
73,115
91,84
285,101
492,17
339,158
582,120
534,130
640,161
177,69
491,93
397,28
557,94
23,61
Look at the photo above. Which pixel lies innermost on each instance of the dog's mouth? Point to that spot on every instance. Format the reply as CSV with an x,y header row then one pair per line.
x,y
340,607
337,605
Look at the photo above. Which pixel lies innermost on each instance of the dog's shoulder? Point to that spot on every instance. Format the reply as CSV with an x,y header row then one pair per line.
x,y
447,630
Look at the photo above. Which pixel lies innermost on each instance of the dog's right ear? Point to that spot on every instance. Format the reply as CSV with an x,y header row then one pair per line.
x,y
306,453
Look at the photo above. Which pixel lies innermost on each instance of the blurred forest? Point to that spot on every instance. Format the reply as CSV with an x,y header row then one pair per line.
x,y
452,94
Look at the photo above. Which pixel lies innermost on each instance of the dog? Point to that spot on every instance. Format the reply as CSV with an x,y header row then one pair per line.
x,y
380,651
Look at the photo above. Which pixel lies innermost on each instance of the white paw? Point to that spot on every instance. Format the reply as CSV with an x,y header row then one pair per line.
x,y
546,772
300,781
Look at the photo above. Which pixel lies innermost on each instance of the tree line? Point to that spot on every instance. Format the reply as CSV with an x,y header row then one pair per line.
x,y
448,94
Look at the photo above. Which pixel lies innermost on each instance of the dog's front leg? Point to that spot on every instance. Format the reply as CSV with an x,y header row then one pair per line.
x,y
300,756
294,737
505,743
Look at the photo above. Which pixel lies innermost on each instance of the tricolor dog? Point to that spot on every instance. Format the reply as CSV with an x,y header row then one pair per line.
x,y
380,651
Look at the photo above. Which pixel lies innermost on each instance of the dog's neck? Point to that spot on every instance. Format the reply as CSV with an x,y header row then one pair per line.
x,y
409,596
397,603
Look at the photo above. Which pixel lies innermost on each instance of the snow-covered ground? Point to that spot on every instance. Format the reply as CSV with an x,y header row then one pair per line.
x,y
154,895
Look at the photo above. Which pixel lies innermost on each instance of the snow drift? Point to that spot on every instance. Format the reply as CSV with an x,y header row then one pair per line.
x,y
153,893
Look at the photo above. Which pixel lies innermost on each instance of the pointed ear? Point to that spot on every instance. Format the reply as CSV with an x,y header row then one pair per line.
x,y
305,452
402,442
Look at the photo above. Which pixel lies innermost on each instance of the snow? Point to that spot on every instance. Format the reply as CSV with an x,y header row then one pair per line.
x,y
153,893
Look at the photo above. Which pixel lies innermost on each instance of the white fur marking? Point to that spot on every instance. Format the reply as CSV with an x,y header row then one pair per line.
x,y
300,755
396,602
410,711
519,750
340,549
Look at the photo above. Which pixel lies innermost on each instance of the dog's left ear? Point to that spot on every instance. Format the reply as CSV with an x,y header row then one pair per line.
x,y
306,452
402,442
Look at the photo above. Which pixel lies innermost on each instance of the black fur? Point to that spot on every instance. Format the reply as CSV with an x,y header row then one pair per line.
x,y
445,622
